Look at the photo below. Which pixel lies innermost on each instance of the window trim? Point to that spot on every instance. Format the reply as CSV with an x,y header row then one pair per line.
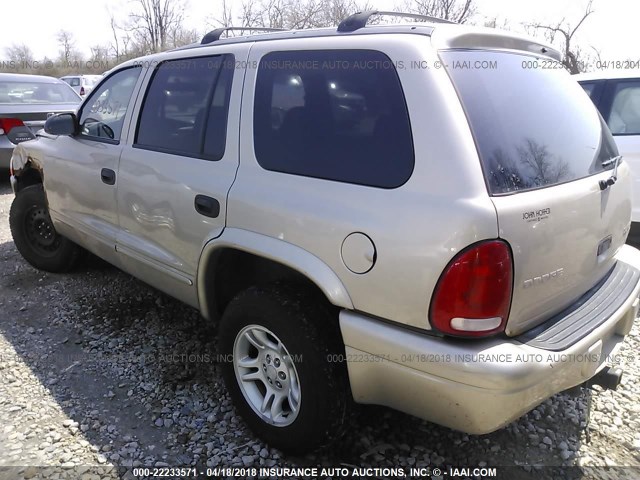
x,y
225,57
88,100
322,178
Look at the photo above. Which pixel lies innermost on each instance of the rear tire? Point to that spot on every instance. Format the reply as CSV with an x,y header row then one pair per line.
x,y
285,378
35,236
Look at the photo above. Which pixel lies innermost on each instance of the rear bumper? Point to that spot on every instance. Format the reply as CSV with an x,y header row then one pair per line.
x,y
474,386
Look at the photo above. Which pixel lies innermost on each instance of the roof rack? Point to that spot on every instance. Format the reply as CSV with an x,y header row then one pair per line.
x,y
359,20
214,35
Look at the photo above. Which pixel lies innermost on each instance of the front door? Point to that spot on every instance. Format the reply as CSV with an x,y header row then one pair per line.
x,y
80,175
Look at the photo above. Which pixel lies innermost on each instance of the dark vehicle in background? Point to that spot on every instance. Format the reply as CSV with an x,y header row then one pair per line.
x,y
25,103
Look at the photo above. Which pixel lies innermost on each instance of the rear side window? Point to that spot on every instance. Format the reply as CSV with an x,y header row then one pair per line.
x,y
533,127
333,114
624,118
589,88
185,108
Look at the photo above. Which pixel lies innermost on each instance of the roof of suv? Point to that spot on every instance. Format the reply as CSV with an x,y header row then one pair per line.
x,y
444,36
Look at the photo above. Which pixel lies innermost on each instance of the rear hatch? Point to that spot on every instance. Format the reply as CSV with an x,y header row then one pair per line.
x,y
544,149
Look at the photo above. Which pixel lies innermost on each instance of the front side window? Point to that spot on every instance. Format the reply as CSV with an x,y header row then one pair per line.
x,y
103,114
333,114
624,118
185,108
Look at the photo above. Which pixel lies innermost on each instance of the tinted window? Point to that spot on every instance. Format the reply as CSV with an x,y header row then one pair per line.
x,y
185,109
624,118
36,93
589,88
337,115
533,127
103,114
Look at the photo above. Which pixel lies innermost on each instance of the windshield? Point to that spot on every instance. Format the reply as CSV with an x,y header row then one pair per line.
x,y
36,93
533,124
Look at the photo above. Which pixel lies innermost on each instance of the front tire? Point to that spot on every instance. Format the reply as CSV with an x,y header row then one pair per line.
x,y
284,378
35,236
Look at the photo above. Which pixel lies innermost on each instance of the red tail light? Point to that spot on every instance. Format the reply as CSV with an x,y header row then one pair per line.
x,y
6,124
81,90
473,295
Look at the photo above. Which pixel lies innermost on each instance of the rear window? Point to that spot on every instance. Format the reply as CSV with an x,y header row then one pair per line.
x,y
333,114
36,92
534,127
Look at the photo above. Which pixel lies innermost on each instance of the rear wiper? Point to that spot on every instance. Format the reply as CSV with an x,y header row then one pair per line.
x,y
604,184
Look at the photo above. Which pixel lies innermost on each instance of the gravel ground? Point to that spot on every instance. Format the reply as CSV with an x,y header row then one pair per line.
x,y
98,369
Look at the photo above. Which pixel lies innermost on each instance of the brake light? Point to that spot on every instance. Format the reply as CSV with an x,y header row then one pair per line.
x,y
473,295
6,124
81,90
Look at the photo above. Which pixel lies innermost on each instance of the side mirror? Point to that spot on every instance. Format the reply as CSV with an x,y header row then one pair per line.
x,y
62,124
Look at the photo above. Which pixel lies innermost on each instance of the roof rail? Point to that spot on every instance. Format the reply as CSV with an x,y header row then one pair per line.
x,y
359,20
214,35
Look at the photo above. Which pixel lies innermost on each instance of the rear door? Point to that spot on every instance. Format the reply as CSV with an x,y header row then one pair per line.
x,y
544,149
174,179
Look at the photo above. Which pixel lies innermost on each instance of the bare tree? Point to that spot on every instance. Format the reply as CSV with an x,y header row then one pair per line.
x,y
67,46
496,22
19,53
99,57
226,19
571,57
180,36
153,20
459,11
292,13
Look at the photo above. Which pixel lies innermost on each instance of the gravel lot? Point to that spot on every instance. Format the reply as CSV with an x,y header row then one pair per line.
x,y
96,368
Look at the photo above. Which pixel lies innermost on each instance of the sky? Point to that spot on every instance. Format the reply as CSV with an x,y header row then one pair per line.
x,y
612,28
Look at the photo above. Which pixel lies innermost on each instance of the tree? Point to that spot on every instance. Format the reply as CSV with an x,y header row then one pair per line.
x,y
459,11
180,36
290,14
19,53
496,22
152,22
571,55
68,53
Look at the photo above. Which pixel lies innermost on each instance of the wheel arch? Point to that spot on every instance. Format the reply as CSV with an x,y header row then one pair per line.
x,y
259,259
25,169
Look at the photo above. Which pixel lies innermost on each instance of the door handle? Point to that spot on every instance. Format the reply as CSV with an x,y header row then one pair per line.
x,y
207,206
108,176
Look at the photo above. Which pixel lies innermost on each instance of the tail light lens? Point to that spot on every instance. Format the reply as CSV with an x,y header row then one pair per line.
x,y
81,90
6,124
473,295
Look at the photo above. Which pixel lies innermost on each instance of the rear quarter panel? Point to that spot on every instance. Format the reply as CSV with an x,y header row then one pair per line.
x,y
416,228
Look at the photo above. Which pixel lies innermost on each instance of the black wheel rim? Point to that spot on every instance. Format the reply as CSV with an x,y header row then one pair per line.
x,y
40,232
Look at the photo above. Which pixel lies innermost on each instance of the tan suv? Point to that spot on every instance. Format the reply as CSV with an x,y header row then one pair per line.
x,y
410,215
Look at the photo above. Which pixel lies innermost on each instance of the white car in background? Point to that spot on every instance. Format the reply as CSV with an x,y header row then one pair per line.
x,y
617,96
82,84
